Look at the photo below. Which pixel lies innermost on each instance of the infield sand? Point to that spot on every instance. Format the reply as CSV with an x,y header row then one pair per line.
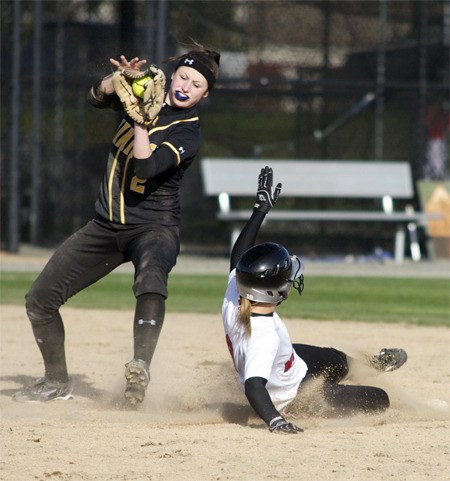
x,y
195,423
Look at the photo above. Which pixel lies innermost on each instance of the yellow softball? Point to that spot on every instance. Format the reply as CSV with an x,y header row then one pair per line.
x,y
138,86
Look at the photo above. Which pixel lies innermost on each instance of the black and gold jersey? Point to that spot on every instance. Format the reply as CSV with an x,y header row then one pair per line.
x,y
148,193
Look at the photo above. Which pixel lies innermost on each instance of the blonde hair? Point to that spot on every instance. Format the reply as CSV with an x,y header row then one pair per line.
x,y
243,317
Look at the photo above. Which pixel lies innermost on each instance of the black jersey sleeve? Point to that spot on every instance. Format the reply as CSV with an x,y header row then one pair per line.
x,y
160,161
102,100
180,142
259,399
183,140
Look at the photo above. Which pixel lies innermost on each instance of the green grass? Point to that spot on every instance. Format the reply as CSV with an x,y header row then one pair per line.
x,y
365,299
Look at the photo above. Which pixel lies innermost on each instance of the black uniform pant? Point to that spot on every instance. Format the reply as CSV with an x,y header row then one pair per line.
x,y
331,366
87,256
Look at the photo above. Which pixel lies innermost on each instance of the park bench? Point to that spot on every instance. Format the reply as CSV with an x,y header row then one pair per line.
x,y
232,178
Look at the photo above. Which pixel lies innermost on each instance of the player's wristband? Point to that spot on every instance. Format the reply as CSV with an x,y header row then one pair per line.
x,y
262,207
98,92
275,420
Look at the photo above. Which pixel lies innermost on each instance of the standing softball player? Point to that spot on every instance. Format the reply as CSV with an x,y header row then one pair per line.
x,y
271,370
137,213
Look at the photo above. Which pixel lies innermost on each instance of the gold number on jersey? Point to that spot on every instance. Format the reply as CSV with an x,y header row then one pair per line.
x,y
136,185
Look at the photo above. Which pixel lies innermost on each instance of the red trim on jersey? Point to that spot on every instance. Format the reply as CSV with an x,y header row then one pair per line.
x,y
289,363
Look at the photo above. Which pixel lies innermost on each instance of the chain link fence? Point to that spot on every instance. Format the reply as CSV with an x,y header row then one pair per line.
x,y
299,79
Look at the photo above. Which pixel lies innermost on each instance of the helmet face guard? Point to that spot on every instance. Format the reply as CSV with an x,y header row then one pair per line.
x,y
297,277
267,272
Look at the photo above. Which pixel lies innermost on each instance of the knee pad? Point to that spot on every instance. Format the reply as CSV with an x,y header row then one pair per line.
x,y
340,367
37,312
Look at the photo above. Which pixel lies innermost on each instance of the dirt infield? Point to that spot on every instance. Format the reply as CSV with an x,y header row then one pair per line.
x,y
195,423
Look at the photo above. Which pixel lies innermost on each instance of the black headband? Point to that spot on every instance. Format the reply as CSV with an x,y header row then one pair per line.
x,y
196,64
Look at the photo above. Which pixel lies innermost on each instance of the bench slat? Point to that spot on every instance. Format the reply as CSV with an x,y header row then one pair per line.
x,y
370,216
310,178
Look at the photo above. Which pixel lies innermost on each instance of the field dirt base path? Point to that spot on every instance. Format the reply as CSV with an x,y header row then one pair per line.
x,y
195,423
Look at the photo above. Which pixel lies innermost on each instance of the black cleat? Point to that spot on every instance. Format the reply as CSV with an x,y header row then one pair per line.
x,y
388,360
138,376
44,390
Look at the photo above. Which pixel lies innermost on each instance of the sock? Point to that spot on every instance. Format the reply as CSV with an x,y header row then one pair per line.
x,y
50,338
148,321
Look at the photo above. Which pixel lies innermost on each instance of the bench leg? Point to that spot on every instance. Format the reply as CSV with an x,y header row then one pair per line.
x,y
413,242
399,244
234,235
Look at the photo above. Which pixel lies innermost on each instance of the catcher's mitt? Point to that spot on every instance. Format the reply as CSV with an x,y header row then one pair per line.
x,y
142,110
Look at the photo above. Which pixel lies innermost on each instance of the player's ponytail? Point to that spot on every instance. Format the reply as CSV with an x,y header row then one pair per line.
x,y
244,314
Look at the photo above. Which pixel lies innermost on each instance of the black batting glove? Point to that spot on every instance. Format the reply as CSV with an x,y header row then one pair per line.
x,y
280,425
266,196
